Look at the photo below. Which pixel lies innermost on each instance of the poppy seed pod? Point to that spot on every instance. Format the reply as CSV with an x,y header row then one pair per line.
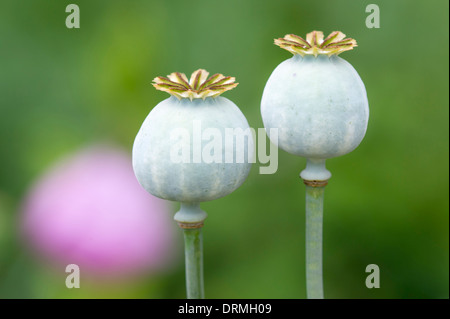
x,y
180,152
184,152
317,101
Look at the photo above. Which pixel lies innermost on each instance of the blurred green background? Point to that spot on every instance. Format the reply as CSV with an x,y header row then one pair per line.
x,y
387,202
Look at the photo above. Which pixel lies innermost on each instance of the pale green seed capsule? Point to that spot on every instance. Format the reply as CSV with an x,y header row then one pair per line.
x,y
160,148
315,99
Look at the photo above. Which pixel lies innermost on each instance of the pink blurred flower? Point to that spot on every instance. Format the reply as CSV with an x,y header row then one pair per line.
x,y
90,210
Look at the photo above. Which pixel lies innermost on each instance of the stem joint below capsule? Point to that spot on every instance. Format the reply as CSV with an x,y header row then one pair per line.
x,y
315,183
190,225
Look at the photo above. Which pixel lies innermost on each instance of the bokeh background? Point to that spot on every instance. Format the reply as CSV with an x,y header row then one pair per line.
x,y
387,202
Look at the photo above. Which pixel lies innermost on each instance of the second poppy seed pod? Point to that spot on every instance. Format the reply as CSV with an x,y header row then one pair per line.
x,y
317,100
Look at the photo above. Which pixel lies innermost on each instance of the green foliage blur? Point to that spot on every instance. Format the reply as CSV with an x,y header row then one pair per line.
x,y
386,204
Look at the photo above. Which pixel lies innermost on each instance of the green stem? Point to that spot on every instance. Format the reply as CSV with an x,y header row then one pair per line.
x,y
190,218
314,218
193,247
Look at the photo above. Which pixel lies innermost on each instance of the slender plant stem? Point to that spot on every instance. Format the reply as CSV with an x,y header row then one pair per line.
x,y
193,247
314,218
